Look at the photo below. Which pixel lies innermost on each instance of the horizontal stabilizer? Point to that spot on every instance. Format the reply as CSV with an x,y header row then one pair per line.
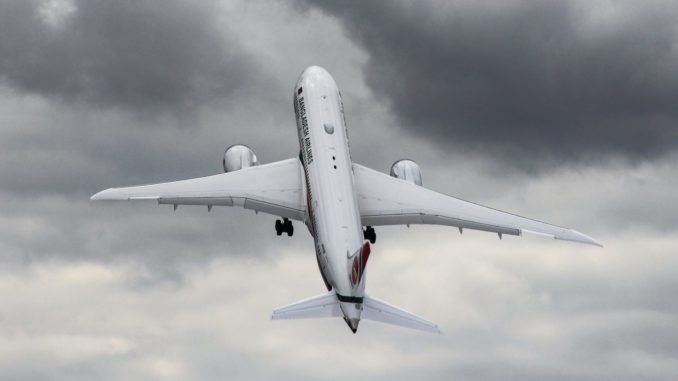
x,y
321,306
377,310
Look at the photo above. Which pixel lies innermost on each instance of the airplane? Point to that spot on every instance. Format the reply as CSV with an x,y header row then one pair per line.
x,y
335,198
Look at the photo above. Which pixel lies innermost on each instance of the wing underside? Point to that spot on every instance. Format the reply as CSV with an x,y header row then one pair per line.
x,y
274,188
385,200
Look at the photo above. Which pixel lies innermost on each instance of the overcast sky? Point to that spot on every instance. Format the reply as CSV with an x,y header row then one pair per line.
x,y
564,111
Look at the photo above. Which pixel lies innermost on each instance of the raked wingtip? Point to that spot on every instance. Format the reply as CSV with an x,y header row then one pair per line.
x,y
587,239
103,195
96,196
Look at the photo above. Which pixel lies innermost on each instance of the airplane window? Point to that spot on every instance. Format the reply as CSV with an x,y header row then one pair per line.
x,y
329,128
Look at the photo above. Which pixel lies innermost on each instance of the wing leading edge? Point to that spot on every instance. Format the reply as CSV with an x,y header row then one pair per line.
x,y
274,188
385,200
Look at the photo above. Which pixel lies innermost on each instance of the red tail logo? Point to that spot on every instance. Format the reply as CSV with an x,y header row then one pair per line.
x,y
359,263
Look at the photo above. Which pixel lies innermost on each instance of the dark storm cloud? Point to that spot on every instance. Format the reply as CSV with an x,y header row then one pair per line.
x,y
138,291
135,54
565,80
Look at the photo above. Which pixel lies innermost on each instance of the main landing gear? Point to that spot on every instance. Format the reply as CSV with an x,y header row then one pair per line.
x,y
369,234
284,226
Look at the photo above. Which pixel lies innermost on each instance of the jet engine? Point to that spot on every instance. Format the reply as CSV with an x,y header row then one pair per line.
x,y
407,170
237,157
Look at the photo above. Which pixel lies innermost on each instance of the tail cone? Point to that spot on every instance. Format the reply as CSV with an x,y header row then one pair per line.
x,y
352,324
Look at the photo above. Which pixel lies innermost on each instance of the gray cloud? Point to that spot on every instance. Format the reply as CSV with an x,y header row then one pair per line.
x,y
137,291
506,311
532,82
142,55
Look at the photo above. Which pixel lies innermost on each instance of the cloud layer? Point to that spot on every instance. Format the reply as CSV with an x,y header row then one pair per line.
x,y
534,82
98,94
129,54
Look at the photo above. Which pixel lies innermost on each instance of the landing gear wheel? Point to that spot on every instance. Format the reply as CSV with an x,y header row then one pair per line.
x,y
287,227
284,226
278,227
369,234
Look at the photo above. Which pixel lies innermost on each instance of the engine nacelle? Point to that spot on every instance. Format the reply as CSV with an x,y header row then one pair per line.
x,y
407,170
237,157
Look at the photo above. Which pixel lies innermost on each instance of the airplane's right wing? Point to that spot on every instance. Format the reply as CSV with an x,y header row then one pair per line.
x,y
386,200
274,188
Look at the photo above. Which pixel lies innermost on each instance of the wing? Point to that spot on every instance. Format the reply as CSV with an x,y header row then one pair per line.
x,y
274,188
385,200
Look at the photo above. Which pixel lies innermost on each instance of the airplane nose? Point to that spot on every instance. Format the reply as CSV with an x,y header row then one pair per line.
x,y
316,71
316,75
353,324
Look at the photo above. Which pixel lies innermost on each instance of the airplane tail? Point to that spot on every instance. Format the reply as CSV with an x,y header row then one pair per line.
x,y
377,310
320,306
327,305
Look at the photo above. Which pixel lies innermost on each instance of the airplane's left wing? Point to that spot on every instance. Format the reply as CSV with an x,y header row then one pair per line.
x,y
386,200
274,188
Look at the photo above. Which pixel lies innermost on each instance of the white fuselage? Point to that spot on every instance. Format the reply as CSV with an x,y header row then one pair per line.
x,y
333,217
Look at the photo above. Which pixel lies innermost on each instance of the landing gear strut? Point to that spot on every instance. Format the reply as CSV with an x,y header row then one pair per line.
x,y
284,226
369,234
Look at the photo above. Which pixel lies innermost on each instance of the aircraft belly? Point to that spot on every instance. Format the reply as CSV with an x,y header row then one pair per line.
x,y
332,204
336,230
